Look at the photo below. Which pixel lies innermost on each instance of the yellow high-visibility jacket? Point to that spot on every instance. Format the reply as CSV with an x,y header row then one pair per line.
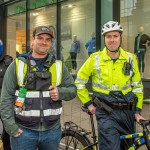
x,y
108,76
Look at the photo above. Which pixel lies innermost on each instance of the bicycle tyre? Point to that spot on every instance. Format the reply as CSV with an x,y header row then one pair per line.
x,y
72,140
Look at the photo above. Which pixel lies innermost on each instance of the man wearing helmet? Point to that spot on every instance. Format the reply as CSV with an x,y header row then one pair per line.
x,y
116,82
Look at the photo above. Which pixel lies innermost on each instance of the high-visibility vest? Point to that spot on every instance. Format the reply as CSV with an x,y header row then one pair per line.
x,y
39,107
55,69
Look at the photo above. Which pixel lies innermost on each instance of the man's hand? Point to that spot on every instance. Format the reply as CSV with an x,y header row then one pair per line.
x,y
18,133
53,92
138,117
92,108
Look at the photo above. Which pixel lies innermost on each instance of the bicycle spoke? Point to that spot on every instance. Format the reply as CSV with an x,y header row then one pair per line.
x,y
70,143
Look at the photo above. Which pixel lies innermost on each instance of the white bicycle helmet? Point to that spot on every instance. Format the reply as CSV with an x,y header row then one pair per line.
x,y
111,26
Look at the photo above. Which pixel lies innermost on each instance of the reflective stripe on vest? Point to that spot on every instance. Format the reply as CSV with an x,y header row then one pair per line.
x,y
80,86
97,67
57,77
114,87
55,69
21,68
49,112
136,83
137,90
34,94
36,113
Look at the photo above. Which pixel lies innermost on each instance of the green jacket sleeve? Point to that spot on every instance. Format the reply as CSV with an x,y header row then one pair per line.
x,y
7,100
67,90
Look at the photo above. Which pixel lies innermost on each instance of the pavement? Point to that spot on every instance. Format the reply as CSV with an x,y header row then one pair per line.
x,y
72,112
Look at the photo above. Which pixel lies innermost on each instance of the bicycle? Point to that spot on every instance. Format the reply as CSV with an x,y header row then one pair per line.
x,y
76,138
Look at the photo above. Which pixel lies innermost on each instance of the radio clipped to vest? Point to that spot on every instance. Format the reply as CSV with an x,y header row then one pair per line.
x,y
30,81
19,103
126,68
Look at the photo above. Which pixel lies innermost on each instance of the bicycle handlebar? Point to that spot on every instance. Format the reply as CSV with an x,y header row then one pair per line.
x,y
144,122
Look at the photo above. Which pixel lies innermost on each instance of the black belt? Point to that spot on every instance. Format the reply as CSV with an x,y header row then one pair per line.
x,y
121,106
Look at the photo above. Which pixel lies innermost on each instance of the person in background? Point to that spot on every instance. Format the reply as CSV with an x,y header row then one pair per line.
x,y
5,61
116,82
34,86
74,50
141,43
91,44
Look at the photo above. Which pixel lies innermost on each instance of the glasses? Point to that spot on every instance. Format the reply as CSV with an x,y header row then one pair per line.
x,y
41,39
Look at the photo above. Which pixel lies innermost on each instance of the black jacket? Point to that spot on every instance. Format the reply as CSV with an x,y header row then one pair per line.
x,y
143,40
5,61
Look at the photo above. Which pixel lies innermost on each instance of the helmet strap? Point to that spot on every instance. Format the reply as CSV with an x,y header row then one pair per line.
x,y
117,50
114,51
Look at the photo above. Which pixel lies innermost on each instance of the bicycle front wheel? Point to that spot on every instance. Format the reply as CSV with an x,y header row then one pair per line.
x,y
72,140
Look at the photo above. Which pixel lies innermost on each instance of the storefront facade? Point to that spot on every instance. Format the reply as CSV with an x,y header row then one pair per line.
x,y
135,19
73,18
69,17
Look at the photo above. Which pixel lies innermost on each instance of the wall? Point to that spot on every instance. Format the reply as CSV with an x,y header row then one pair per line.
x,y
11,37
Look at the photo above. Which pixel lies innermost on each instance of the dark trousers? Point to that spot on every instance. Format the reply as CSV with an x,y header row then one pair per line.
x,y
111,126
6,140
141,63
73,60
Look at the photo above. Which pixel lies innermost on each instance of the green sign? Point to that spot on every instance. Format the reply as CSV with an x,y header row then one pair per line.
x,y
35,4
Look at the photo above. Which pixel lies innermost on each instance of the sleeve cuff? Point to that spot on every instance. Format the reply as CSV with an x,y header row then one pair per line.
x,y
88,104
138,110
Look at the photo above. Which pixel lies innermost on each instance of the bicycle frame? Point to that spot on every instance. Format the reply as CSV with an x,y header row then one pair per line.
x,y
94,137
75,129
141,137
78,130
132,136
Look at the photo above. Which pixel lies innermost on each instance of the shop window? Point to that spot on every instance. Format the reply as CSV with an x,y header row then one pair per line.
x,y
16,35
16,24
77,29
136,37
77,22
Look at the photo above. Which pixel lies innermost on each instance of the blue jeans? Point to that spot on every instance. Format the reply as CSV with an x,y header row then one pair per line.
x,y
141,62
41,140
